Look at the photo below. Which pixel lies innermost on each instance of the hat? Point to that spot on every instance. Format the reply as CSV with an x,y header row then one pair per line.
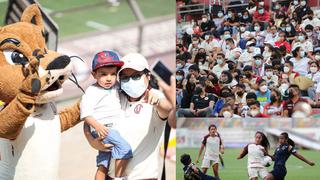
x,y
135,61
258,55
249,43
296,45
233,61
106,58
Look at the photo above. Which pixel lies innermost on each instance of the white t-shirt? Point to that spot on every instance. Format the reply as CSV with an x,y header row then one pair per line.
x,y
101,104
217,69
208,46
212,145
300,66
142,128
255,155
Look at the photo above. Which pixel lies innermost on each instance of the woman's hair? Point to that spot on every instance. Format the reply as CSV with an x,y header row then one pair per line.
x,y
277,92
229,75
286,136
265,142
295,51
212,125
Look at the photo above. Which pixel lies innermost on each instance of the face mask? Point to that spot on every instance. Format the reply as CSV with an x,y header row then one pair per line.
x,y
288,29
226,36
283,28
229,15
286,69
179,78
219,61
313,69
195,42
260,11
317,57
198,90
258,62
134,88
228,47
242,29
269,74
226,114
239,14
204,19
220,14
264,88
303,3
257,28
295,2
254,113
284,86
273,98
240,93
302,53
245,17
309,34
301,38
206,37
179,66
277,7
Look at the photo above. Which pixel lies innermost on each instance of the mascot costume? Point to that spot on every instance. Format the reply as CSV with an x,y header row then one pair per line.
x,y
30,79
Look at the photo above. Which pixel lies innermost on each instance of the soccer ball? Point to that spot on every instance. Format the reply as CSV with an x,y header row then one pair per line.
x,y
266,161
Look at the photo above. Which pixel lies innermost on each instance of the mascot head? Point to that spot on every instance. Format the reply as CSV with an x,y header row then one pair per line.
x,y
19,43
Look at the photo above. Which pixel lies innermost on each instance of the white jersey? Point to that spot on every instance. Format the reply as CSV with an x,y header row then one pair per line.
x,y
212,145
255,155
101,104
142,128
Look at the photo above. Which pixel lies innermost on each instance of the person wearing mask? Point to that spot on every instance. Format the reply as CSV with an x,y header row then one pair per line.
x,y
290,32
226,80
300,61
182,64
270,77
232,20
312,37
188,87
240,95
219,19
194,70
206,25
227,112
250,80
288,72
201,59
275,107
261,15
194,46
201,104
246,18
179,87
255,110
268,49
181,50
212,84
263,94
221,65
303,41
258,65
225,35
209,43
314,75
258,33
224,94
292,7
272,35
316,54
246,58
232,51
294,98
281,41
302,10
242,36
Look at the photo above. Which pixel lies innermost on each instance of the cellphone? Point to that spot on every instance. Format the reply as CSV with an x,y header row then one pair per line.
x,y
161,71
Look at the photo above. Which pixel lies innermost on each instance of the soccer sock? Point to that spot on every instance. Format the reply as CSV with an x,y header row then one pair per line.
x,y
119,178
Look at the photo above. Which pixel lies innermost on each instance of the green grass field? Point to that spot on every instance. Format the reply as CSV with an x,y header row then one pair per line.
x,y
237,169
72,21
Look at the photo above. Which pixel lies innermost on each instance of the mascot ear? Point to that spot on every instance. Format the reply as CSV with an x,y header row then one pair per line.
x,y
32,13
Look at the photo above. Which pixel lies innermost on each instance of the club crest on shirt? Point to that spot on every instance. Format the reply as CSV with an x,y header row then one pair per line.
x,y
138,108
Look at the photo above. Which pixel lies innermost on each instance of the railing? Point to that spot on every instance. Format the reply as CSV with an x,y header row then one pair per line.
x,y
192,8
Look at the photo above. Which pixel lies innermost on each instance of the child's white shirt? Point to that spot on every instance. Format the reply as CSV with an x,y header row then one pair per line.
x,y
101,104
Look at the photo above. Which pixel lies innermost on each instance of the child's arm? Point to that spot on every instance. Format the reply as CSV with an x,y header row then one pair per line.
x,y
200,152
299,156
243,153
102,130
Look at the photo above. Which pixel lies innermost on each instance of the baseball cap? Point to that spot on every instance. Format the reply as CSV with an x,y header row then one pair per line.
x,y
135,61
106,58
258,56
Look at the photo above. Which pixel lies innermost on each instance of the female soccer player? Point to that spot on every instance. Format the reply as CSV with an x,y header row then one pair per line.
x,y
256,152
213,147
281,155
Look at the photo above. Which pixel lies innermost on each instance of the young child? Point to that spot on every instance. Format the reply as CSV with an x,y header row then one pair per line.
x,y
100,108
191,171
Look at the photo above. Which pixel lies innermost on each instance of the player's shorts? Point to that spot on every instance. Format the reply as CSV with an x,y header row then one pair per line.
x,y
279,173
257,171
206,163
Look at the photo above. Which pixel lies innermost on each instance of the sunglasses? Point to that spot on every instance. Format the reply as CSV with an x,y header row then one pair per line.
x,y
135,77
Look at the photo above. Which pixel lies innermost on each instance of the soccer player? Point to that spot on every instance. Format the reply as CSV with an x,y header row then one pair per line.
x,y
213,146
281,155
256,152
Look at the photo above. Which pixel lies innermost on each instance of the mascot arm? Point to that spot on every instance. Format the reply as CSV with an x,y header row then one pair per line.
x,y
69,117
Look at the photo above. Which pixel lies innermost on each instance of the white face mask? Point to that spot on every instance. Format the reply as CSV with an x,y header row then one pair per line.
x,y
228,47
226,36
219,61
295,2
257,28
293,23
284,86
301,38
309,34
313,69
227,114
269,74
303,3
134,88
206,37
317,57
179,66
288,29
254,113
264,88
302,53
220,14
204,19
261,3
286,69
195,42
